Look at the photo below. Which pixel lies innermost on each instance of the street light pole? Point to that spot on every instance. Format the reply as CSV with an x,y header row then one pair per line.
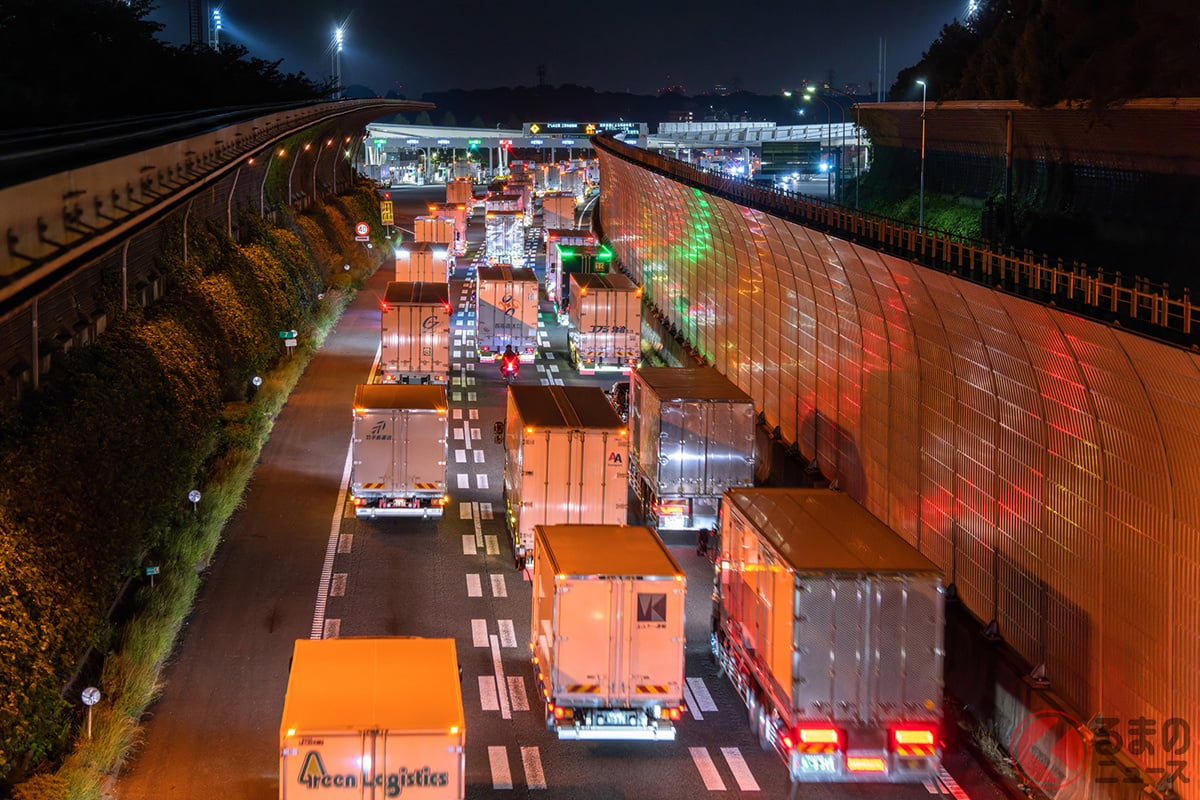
x,y
921,224
858,135
337,61
812,92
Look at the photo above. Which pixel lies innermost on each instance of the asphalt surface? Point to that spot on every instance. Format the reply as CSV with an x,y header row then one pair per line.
x,y
214,732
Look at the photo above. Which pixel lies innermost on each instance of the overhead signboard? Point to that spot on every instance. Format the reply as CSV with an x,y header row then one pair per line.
x,y
412,141
443,142
630,129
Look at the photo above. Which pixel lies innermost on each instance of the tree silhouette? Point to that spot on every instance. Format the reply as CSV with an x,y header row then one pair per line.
x,y
449,120
422,119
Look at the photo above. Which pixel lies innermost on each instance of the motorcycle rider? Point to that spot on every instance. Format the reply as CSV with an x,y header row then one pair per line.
x,y
509,362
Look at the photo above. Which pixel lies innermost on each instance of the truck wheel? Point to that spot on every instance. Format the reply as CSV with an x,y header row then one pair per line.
x,y
762,731
752,710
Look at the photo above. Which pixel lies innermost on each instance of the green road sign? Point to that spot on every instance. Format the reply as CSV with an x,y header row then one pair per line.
x,y
287,334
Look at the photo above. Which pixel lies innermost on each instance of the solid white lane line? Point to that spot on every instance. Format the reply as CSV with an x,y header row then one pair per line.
x,y
335,529
516,692
501,684
493,544
508,635
487,693
499,589
501,776
691,703
464,434
741,772
474,585
708,770
479,634
468,544
478,528
700,692
534,777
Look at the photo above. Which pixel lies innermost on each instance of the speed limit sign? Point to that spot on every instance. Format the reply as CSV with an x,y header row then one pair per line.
x,y
362,230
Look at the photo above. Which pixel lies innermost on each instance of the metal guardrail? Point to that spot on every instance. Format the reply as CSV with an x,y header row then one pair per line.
x,y
1136,303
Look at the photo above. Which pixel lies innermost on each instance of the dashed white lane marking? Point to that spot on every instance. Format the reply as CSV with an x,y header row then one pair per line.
x,y
741,772
534,777
493,544
346,543
460,456
487,693
554,367
700,692
458,433
479,634
952,785
508,636
516,693
464,481
333,629
485,509
931,787
474,584
473,413
335,529
457,397
468,544
691,703
456,414
544,381
481,481
505,712
708,770
337,587
464,511
498,587
540,367
498,759
475,434
478,456
470,397
456,381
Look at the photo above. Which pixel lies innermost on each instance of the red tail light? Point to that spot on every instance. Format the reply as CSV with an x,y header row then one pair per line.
x,y
559,711
913,736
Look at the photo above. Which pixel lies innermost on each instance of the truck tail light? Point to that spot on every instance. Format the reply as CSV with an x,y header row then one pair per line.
x,y
866,764
558,712
673,713
913,736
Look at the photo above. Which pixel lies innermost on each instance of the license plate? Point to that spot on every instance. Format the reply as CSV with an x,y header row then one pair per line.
x,y
817,763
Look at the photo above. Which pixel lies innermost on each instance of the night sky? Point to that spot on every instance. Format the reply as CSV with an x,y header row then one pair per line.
x,y
416,47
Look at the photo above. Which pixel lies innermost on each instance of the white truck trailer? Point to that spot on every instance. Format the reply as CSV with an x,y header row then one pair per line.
x,y
459,212
508,201
607,632
459,192
398,451
504,237
373,718
415,333
831,628
565,455
572,182
438,230
506,311
692,436
558,210
605,314
426,262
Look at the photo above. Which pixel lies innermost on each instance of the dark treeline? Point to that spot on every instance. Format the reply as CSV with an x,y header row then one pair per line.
x,y
1042,52
78,60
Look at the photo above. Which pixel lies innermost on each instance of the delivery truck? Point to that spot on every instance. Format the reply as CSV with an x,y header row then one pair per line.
x,y
558,210
605,313
565,454
438,230
830,627
458,212
398,451
506,311
426,262
692,436
373,718
572,182
550,182
607,632
507,201
415,333
504,237
459,192
563,260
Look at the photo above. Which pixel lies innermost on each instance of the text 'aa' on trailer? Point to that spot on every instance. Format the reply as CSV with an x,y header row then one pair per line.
x,y
830,626
692,436
564,260
605,313
459,213
558,210
427,262
373,718
414,333
506,311
398,451
607,631
565,452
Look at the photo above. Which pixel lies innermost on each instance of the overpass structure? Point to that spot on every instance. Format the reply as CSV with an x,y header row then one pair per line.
x,y
1045,461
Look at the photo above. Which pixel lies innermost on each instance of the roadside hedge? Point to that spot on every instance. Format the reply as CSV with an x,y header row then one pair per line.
x,y
95,469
